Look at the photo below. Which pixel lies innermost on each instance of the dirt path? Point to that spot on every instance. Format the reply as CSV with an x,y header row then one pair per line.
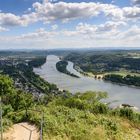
x,y
22,131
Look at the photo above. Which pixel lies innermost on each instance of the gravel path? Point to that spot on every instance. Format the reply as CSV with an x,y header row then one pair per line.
x,y
22,131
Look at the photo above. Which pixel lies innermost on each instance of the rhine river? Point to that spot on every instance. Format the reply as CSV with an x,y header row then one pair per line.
x,y
117,93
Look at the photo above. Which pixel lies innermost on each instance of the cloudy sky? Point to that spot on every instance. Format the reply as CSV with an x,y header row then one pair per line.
x,y
43,24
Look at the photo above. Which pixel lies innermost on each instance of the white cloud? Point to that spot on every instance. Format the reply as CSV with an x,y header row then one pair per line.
x,y
2,29
8,19
104,35
116,31
107,30
62,11
54,27
69,11
136,2
110,25
28,10
39,34
108,34
132,33
131,12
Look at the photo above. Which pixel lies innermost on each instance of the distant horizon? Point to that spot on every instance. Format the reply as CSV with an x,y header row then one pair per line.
x,y
93,48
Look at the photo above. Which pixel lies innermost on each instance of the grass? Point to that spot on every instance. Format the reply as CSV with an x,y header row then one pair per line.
x,y
63,123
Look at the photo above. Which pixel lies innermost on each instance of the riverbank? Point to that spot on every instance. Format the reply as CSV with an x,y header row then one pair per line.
x,y
123,94
128,80
134,82
61,66
89,74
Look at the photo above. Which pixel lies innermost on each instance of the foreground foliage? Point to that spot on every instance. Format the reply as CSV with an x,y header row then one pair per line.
x,y
69,117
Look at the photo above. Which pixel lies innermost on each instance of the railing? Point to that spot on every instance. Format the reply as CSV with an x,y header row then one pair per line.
x,y
41,121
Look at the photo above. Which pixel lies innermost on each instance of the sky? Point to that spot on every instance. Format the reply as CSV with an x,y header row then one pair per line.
x,y
51,24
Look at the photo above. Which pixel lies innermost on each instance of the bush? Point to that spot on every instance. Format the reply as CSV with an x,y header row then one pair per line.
x,y
76,103
110,125
100,108
128,113
16,117
6,109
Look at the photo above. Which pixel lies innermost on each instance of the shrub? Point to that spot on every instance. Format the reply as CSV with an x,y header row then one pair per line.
x,y
127,112
100,108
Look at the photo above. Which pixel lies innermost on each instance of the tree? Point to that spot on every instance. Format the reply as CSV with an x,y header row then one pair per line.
x,y
22,101
6,85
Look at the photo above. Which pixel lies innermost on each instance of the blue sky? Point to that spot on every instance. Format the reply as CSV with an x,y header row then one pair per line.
x,y
43,24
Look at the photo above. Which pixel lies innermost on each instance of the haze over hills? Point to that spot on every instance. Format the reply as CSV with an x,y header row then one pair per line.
x,y
84,49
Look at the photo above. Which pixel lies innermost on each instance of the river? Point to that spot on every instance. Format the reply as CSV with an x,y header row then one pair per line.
x,y
119,94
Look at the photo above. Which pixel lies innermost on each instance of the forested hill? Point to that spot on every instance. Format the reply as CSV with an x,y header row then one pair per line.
x,y
20,69
105,62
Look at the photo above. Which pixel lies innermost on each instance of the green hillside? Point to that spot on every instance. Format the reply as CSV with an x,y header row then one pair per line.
x,y
67,116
